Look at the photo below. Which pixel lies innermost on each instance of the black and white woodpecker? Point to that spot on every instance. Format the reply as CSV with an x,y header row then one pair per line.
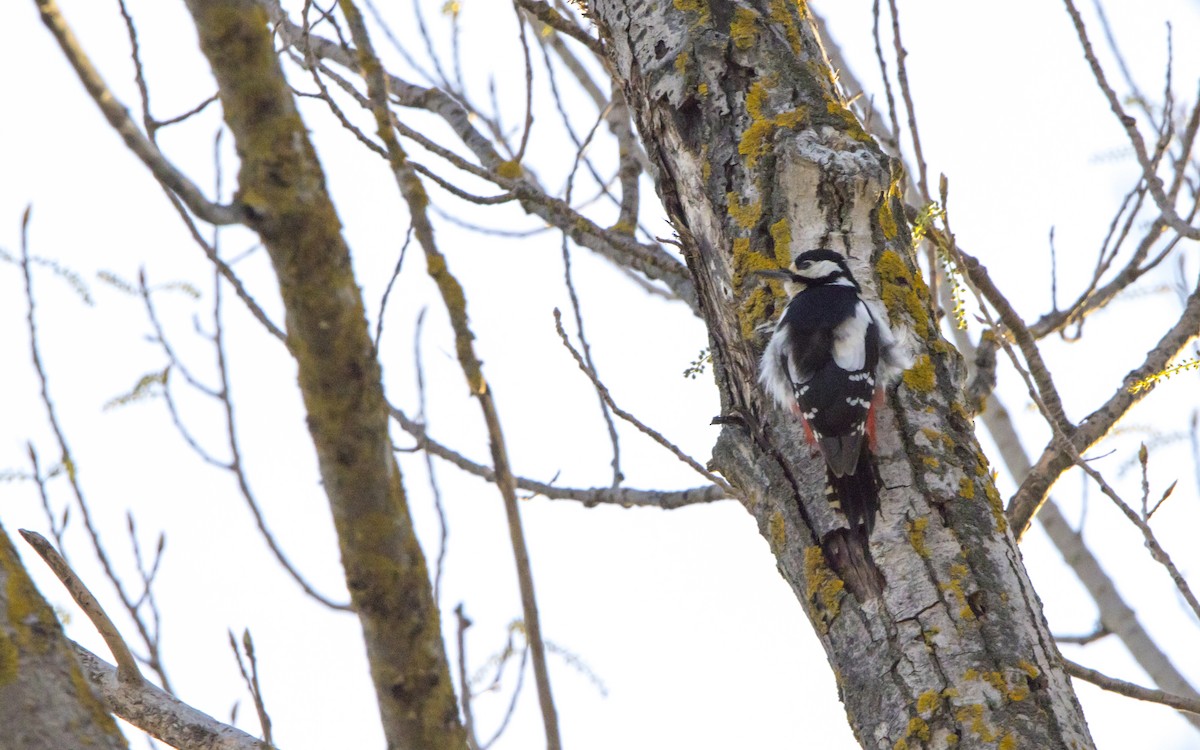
x,y
830,358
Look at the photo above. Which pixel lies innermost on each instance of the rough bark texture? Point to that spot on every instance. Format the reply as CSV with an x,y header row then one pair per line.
x,y
45,700
934,632
282,187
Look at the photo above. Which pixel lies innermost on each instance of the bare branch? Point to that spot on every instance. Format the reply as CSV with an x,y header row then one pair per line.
x,y
127,668
626,497
649,432
552,18
1153,181
251,680
116,114
158,713
1054,461
456,306
1130,690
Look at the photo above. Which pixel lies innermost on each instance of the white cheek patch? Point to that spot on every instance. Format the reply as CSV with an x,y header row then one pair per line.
x,y
819,270
850,340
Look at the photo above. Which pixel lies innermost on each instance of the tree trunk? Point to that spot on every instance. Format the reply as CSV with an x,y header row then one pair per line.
x,y
934,633
45,701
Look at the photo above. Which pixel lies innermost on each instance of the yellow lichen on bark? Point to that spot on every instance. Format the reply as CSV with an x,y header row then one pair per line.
x,y
903,294
824,588
781,235
742,30
744,214
920,377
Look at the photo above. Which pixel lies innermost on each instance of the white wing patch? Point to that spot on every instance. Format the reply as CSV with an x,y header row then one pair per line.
x,y
773,376
850,340
895,348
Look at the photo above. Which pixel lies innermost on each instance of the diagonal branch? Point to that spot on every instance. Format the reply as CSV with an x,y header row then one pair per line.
x,y
624,496
339,377
456,305
1130,690
1153,181
1054,461
158,713
118,117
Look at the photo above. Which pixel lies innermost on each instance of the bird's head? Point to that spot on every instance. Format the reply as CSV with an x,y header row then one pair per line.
x,y
814,268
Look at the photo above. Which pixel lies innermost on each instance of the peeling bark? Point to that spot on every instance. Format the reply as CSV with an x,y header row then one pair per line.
x,y
934,632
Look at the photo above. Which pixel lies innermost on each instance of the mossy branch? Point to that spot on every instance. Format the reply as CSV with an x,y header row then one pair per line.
x,y
456,306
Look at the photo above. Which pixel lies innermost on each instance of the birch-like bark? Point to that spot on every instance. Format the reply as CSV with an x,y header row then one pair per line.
x,y
46,702
934,632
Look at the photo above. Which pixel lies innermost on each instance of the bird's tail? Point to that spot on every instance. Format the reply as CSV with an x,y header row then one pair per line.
x,y
857,493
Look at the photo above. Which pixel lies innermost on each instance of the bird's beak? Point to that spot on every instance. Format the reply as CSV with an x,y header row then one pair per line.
x,y
780,274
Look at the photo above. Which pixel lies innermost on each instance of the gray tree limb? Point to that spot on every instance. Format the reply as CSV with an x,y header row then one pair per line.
x,y
933,631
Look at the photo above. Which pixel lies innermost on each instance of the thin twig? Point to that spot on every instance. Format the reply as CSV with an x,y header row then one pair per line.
x,y
649,432
574,297
387,292
1054,461
1082,640
237,466
552,18
455,301
118,117
894,141
251,680
1153,181
464,684
151,640
435,489
1062,439
626,497
906,94
1130,690
57,525
528,129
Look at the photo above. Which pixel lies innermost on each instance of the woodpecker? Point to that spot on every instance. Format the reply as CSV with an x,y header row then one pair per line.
x,y
830,357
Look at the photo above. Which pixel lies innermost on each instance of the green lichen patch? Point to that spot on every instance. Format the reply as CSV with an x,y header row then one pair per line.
x,y
755,141
10,659
824,588
958,574
928,702
781,235
744,214
743,29
971,718
776,531
783,15
758,305
916,535
510,169
904,295
681,62
697,7
847,122
920,377
996,505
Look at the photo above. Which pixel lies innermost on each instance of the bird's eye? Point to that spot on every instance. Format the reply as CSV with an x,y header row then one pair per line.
x,y
804,264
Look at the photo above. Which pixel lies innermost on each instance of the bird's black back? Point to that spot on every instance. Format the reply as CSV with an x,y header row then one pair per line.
x,y
812,317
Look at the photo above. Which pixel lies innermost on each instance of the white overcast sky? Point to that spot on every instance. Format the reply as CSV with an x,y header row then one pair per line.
x,y
681,616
